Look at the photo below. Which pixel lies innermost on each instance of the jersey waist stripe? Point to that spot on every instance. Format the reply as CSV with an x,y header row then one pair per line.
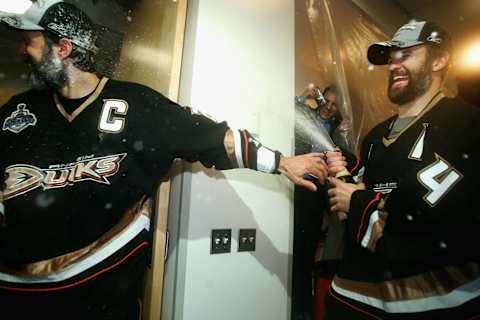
x,y
74,263
62,286
453,298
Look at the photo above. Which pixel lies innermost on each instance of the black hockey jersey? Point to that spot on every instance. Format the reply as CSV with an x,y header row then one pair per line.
x,y
72,177
412,233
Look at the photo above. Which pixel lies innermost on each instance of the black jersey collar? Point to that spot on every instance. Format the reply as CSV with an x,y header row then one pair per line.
x,y
433,102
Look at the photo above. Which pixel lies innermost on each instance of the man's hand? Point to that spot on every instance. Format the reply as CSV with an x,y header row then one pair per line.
x,y
336,162
341,193
296,167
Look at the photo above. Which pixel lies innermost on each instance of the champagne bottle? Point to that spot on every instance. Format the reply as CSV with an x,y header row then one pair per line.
x,y
346,177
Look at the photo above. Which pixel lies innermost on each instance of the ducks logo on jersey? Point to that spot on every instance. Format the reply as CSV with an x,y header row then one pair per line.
x,y
23,178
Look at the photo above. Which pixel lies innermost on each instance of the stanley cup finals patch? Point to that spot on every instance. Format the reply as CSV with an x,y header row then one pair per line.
x,y
20,119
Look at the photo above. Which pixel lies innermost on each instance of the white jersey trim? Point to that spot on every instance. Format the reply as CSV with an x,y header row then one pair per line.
x,y
237,140
366,238
141,223
265,160
453,299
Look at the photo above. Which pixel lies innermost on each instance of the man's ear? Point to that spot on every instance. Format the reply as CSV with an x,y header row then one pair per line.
x,y
65,47
441,62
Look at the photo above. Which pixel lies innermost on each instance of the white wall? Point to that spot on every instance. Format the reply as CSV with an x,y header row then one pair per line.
x,y
238,66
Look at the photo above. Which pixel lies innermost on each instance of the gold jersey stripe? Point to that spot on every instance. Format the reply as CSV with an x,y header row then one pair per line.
x,y
439,96
430,284
84,105
73,263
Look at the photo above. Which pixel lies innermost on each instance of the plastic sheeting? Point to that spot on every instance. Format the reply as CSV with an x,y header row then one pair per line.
x,y
341,34
331,41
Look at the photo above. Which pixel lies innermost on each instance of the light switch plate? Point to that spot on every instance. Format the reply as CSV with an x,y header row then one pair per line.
x,y
247,239
221,241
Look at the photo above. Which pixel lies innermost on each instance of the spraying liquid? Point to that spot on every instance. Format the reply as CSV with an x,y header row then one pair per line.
x,y
307,125
311,131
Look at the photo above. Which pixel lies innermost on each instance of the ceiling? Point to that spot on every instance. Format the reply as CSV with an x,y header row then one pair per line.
x,y
411,6
460,17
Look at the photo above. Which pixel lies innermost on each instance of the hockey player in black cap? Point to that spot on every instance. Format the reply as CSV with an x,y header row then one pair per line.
x,y
82,156
413,223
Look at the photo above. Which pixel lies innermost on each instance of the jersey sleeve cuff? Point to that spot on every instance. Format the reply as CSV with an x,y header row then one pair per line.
x,y
364,215
353,163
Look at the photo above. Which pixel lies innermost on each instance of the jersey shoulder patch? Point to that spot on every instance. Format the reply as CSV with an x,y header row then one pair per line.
x,y
19,120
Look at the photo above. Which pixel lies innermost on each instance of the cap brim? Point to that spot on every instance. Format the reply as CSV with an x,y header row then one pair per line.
x,y
19,22
379,53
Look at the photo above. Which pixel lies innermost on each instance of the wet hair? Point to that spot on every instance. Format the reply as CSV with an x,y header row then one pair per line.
x,y
435,52
81,58
331,88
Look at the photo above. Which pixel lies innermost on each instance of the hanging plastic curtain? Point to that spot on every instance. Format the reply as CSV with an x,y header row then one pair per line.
x,y
342,27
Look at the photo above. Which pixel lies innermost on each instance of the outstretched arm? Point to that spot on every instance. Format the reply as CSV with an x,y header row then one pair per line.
x,y
200,138
244,151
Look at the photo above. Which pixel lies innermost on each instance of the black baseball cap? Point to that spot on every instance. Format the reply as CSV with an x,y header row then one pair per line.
x,y
60,18
411,34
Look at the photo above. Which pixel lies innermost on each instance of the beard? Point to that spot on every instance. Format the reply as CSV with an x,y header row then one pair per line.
x,y
418,83
48,73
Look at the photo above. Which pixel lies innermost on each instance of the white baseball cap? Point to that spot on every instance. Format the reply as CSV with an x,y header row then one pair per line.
x,y
58,17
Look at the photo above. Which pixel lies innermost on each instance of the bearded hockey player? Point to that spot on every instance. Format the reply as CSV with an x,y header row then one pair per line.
x,y
413,226
82,157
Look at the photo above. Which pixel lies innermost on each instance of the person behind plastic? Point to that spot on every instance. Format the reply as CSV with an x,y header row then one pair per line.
x,y
320,107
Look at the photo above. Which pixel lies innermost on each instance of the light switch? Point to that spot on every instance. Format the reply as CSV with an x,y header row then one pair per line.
x,y
246,239
221,241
